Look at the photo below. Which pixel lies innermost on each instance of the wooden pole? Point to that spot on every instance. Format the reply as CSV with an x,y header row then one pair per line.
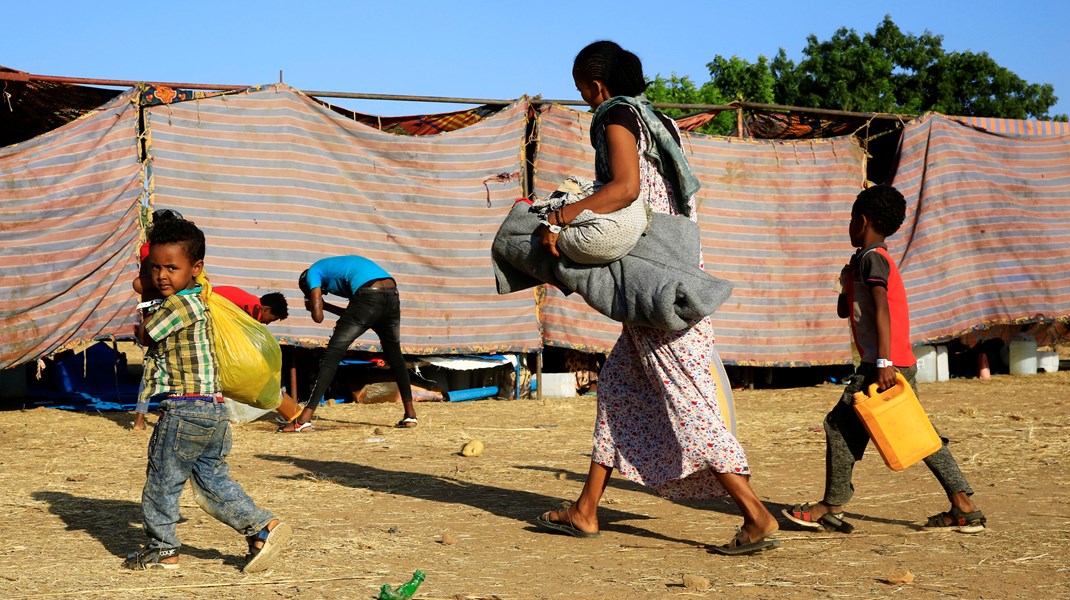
x,y
538,373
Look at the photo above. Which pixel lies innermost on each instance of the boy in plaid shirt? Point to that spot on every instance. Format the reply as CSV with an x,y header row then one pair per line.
x,y
192,438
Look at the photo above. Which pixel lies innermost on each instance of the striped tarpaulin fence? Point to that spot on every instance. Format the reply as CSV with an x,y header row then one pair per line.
x,y
68,234
278,181
1016,127
987,234
774,222
774,218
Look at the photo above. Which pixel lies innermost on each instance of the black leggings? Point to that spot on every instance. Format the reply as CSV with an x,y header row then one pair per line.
x,y
378,309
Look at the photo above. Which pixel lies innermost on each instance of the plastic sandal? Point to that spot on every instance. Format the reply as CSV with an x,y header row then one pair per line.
x,y
274,540
957,520
407,423
801,514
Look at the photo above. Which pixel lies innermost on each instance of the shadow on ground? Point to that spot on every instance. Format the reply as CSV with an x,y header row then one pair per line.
x,y
115,524
519,505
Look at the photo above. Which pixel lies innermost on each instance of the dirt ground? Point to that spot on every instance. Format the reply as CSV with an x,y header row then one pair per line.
x,y
369,504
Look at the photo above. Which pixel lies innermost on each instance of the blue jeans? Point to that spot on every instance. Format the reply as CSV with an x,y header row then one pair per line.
x,y
193,439
378,309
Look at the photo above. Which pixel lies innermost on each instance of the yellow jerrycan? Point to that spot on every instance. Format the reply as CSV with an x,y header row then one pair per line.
x,y
897,424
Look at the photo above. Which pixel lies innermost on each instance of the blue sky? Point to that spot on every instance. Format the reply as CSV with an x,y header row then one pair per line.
x,y
486,49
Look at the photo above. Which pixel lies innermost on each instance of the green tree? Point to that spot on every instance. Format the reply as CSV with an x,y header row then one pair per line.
x,y
847,73
681,90
885,71
786,80
890,71
971,84
738,79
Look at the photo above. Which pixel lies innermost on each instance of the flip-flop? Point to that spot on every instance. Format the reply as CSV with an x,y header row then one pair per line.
x,y
298,427
737,548
407,423
802,515
543,520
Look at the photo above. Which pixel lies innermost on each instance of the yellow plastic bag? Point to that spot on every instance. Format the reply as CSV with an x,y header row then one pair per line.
x,y
247,355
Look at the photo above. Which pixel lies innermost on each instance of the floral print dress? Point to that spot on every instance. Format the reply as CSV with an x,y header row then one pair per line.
x,y
658,421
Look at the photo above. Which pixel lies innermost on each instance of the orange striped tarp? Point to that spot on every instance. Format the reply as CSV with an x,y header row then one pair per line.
x,y
987,234
68,234
277,181
1016,127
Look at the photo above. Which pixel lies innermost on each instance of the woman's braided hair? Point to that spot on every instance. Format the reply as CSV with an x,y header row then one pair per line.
x,y
605,61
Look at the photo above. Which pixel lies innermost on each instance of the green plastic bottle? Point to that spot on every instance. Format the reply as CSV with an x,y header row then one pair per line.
x,y
404,591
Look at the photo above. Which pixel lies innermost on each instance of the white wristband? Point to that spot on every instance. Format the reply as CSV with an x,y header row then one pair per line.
x,y
884,362
553,228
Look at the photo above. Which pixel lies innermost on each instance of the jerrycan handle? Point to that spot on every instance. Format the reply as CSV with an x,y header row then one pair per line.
x,y
900,382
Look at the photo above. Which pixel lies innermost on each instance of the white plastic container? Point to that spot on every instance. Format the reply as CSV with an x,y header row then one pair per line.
x,y
1047,361
942,371
558,385
926,357
1023,357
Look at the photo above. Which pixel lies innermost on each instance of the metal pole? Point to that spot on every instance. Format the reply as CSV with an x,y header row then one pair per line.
x,y
20,76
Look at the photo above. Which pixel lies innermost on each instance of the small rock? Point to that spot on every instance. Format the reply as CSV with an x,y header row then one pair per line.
x,y
472,448
562,476
378,431
900,577
696,582
448,539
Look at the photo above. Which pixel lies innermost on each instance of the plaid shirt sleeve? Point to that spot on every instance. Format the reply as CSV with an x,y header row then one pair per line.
x,y
173,316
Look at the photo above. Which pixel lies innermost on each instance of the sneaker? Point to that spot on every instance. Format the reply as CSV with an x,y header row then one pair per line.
x,y
149,558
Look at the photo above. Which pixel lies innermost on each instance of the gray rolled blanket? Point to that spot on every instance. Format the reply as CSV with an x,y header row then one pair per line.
x,y
657,284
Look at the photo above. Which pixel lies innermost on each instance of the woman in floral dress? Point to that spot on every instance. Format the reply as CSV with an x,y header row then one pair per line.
x,y
658,420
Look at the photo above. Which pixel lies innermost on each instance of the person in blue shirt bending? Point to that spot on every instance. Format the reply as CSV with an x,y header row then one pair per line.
x,y
374,304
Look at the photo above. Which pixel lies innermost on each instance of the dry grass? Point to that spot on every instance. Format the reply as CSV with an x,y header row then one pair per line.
x,y
368,513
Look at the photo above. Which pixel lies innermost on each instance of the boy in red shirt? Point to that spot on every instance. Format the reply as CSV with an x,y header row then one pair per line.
x,y
267,308
874,298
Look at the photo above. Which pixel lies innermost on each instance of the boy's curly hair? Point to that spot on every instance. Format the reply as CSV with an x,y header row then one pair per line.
x,y
179,231
884,206
277,303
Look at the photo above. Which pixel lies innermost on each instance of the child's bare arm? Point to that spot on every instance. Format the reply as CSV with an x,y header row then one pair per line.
x,y
885,375
843,310
142,336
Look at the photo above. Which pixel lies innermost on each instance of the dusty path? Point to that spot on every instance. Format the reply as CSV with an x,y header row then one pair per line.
x,y
369,512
